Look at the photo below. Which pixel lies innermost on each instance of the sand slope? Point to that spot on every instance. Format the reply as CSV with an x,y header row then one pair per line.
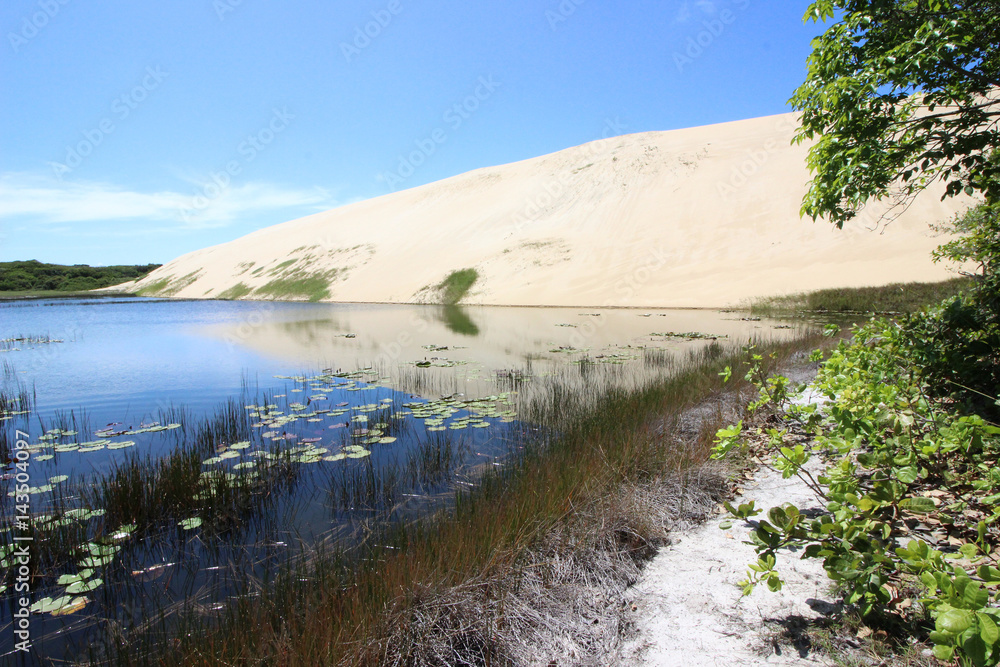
x,y
706,216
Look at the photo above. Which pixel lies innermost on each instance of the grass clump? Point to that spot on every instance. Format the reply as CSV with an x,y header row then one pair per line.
x,y
169,286
283,265
458,283
155,288
887,299
308,287
237,291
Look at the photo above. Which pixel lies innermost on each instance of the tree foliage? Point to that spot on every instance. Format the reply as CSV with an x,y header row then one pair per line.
x,y
899,94
36,276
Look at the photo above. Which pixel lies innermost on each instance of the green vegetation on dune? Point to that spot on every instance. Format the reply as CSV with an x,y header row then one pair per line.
x,y
314,287
169,286
237,291
458,283
154,288
32,276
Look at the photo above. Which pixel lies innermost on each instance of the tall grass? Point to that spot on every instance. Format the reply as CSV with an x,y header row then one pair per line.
x,y
16,397
886,299
374,604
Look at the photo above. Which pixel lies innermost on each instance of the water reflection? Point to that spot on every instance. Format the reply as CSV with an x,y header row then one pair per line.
x,y
328,391
457,320
435,350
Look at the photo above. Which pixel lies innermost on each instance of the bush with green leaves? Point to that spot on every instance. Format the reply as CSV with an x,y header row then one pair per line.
x,y
912,494
957,345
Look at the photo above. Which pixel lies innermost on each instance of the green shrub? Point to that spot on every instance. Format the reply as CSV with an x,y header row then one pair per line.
x,y
454,288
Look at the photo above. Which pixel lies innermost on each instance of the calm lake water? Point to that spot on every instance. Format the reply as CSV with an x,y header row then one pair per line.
x,y
339,390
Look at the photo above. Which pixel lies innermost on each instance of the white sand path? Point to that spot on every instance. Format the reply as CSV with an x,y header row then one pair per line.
x,y
690,611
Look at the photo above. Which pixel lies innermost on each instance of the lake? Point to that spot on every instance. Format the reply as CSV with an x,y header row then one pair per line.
x,y
177,450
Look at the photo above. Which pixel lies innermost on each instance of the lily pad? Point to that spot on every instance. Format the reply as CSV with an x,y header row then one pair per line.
x,y
123,531
190,524
76,604
84,586
102,549
122,445
58,479
48,605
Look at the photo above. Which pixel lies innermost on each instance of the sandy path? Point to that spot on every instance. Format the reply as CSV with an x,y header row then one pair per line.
x,y
688,607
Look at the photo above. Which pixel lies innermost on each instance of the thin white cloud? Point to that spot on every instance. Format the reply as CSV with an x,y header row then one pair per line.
x,y
42,199
684,13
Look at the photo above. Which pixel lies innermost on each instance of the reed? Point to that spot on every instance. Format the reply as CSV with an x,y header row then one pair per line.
x,y
893,299
380,602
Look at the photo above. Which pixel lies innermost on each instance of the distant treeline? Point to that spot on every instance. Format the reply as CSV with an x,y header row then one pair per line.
x,y
33,275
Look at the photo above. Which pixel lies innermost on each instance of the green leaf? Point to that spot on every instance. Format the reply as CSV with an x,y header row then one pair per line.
x,y
83,586
989,574
190,524
974,596
944,652
954,621
988,629
917,505
975,648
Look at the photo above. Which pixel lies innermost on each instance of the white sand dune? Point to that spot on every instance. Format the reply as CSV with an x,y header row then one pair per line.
x,y
701,217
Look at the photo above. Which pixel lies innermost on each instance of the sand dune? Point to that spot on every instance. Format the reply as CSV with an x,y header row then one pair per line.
x,y
701,217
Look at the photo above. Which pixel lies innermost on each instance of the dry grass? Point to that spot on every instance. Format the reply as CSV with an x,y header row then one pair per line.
x,y
563,600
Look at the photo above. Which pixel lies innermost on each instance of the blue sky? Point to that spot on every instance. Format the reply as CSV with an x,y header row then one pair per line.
x,y
133,132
